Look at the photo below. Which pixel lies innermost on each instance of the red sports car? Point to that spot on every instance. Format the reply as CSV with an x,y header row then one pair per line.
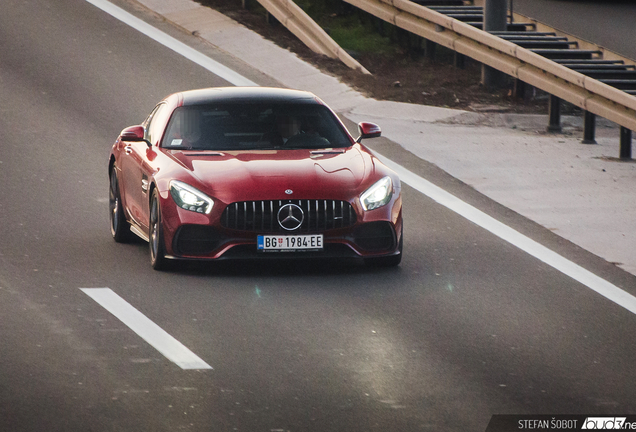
x,y
230,173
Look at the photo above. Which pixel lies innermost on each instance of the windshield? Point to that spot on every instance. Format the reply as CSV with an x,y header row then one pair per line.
x,y
254,127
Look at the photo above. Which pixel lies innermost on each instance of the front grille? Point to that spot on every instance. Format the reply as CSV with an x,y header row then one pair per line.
x,y
262,216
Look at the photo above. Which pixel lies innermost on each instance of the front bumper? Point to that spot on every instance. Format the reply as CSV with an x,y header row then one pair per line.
x,y
196,236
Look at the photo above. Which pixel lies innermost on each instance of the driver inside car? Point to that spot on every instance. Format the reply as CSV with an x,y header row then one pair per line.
x,y
287,127
186,129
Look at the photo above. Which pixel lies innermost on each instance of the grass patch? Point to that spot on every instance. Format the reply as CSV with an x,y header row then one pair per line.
x,y
358,38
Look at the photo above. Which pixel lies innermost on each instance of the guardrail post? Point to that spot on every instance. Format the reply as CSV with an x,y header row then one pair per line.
x,y
626,143
379,26
429,49
459,60
589,128
554,112
403,38
519,89
419,49
495,19
495,15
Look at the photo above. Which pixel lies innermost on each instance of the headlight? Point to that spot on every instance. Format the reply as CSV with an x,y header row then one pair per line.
x,y
189,198
377,195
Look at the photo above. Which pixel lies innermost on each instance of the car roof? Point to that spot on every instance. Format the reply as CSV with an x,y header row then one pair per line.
x,y
246,94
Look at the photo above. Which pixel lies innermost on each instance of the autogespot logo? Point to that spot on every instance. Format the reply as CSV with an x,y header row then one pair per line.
x,y
290,217
605,423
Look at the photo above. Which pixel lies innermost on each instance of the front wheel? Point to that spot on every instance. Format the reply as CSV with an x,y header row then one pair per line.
x,y
158,258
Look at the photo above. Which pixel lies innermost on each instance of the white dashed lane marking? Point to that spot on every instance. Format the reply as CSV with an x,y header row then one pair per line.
x,y
171,348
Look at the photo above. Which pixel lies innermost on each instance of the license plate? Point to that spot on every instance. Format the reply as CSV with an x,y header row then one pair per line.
x,y
287,243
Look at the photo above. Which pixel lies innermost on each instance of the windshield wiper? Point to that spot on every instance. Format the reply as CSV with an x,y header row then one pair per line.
x,y
328,151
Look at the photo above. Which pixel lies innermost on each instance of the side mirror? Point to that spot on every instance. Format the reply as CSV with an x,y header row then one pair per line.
x,y
134,133
368,130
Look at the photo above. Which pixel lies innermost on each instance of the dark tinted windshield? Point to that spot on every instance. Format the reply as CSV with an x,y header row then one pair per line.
x,y
249,127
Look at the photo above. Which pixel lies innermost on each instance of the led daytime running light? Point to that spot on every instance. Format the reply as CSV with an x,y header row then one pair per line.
x,y
189,198
377,195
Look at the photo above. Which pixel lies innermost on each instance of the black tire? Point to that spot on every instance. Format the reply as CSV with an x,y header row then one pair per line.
x,y
387,261
119,226
158,259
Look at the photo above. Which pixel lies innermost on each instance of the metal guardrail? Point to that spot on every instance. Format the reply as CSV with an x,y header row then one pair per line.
x,y
528,66
576,54
310,33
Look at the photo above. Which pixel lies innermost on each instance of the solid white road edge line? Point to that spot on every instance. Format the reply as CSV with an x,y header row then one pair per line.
x,y
513,237
179,47
439,195
171,348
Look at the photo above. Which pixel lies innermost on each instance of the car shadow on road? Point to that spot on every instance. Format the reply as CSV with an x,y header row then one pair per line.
x,y
279,267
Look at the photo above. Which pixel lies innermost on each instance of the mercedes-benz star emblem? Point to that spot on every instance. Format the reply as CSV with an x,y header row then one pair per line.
x,y
289,191
290,217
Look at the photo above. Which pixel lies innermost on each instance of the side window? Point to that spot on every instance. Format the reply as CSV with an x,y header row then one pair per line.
x,y
156,123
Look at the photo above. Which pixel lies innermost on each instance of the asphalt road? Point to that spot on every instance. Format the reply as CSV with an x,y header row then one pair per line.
x,y
467,327
608,23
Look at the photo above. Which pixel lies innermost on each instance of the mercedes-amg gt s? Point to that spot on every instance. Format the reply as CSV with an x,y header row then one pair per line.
x,y
231,173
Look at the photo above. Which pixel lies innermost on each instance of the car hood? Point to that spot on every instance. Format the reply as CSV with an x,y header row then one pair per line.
x,y
274,174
